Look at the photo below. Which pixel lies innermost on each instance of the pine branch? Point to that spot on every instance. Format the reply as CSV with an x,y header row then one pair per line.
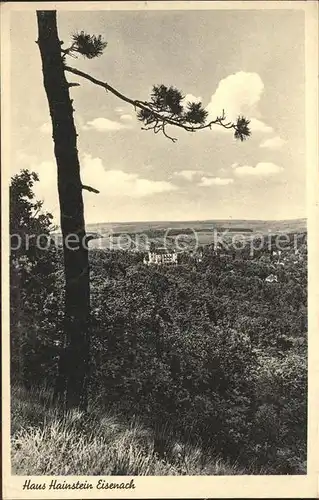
x,y
87,45
90,189
156,114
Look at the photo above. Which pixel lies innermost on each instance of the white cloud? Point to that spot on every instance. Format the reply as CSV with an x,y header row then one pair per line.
x,y
126,117
215,181
112,184
46,128
239,94
119,183
262,169
188,174
104,125
273,143
99,124
46,189
259,126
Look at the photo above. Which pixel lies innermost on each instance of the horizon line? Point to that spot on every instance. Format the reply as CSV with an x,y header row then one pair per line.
x,y
197,220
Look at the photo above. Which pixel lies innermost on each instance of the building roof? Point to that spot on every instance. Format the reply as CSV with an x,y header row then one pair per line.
x,y
162,251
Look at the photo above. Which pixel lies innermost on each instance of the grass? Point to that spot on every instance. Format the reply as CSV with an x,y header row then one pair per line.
x,y
45,441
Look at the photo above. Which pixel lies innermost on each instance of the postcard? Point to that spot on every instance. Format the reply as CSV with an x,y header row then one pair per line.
x,y
160,249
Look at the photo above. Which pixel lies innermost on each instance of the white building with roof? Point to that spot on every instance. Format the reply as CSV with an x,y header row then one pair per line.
x,y
160,256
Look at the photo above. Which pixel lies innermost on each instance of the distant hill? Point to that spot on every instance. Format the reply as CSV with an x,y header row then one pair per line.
x,y
129,235
240,224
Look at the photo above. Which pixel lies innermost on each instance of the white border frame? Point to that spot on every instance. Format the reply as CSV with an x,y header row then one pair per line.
x,y
186,486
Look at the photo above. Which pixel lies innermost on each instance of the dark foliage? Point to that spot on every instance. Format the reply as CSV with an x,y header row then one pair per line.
x,y
35,265
195,113
167,107
89,46
242,130
167,99
211,347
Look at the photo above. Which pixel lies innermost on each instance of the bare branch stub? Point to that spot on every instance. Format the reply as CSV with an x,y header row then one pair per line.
x,y
90,189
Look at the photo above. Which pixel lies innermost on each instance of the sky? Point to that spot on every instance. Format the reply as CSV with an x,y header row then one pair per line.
x,y
249,62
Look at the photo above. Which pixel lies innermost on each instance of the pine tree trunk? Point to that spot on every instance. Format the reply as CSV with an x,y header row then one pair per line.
x,y
74,363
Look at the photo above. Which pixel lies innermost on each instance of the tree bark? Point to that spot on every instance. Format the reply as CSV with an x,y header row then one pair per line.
x,y
75,360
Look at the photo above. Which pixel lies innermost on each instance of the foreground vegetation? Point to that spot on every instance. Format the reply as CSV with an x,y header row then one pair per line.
x,y
47,442
210,346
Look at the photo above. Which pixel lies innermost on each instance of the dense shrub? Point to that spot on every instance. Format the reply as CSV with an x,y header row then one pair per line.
x,y
35,285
